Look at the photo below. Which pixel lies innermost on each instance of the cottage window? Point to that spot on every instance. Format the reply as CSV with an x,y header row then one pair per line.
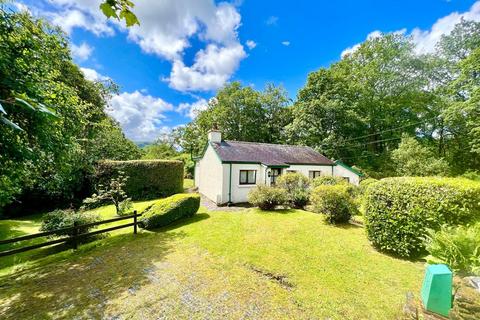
x,y
314,174
346,179
248,176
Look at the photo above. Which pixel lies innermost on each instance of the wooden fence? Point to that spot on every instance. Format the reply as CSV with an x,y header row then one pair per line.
x,y
73,237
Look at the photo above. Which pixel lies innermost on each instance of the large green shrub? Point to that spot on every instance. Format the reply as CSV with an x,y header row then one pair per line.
x,y
60,219
458,247
147,179
399,210
335,201
297,187
328,180
168,210
267,198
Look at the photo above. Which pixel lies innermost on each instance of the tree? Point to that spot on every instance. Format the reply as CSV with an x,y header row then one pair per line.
x,y
241,113
120,9
113,193
64,127
349,109
413,159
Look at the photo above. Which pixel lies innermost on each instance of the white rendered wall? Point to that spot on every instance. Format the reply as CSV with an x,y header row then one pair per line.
x,y
340,171
209,175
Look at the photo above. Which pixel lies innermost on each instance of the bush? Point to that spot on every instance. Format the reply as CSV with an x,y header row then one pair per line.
x,y
168,210
147,179
328,181
334,201
267,198
399,210
364,184
458,247
59,219
297,187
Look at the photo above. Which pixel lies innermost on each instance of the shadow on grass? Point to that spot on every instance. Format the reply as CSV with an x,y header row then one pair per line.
x,y
82,285
183,222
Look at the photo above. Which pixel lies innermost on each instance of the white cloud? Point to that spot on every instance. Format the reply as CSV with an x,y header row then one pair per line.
x,y
93,75
21,7
83,14
426,40
213,67
140,116
286,43
81,52
352,49
165,30
271,21
191,110
251,44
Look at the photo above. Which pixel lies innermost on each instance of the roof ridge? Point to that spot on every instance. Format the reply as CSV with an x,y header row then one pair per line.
x,y
266,143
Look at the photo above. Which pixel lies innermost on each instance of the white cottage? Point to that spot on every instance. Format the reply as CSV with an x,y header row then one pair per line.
x,y
228,170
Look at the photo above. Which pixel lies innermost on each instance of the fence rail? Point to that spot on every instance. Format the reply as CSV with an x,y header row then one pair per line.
x,y
73,237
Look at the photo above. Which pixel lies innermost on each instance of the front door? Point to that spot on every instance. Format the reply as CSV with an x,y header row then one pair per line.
x,y
274,174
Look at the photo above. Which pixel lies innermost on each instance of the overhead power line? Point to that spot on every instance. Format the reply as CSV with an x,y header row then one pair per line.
x,y
389,130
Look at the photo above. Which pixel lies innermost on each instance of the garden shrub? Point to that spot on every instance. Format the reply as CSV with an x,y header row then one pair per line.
x,y
399,210
267,198
328,180
165,211
458,247
147,179
334,201
297,187
364,184
60,219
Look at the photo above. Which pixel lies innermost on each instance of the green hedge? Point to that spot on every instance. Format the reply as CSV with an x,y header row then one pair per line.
x,y
398,211
168,210
147,179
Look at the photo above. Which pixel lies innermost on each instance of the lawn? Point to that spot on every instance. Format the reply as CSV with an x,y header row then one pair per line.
x,y
244,264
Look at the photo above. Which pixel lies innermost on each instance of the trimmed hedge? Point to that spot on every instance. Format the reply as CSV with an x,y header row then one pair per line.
x,y
168,210
398,211
147,179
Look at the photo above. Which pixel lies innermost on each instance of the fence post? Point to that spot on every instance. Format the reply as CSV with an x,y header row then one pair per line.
x,y
135,221
75,234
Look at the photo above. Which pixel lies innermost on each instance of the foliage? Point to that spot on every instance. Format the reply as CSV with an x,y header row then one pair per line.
x,y
267,198
334,201
364,184
328,181
458,247
60,219
112,192
64,127
472,175
398,211
297,187
241,113
147,179
412,159
168,210
166,151
120,9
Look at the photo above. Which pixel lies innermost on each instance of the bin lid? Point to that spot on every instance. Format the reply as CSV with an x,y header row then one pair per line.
x,y
439,269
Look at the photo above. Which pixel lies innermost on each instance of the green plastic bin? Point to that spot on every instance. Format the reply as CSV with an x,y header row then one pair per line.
x,y
437,289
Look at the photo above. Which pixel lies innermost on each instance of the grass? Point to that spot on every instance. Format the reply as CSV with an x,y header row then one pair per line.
x,y
244,264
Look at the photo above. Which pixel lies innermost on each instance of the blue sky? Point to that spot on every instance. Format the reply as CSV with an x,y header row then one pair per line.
x,y
184,50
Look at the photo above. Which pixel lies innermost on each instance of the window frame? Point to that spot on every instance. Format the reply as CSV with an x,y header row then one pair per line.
x,y
319,173
247,183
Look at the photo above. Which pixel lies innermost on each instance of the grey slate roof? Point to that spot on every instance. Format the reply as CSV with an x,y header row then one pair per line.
x,y
268,154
